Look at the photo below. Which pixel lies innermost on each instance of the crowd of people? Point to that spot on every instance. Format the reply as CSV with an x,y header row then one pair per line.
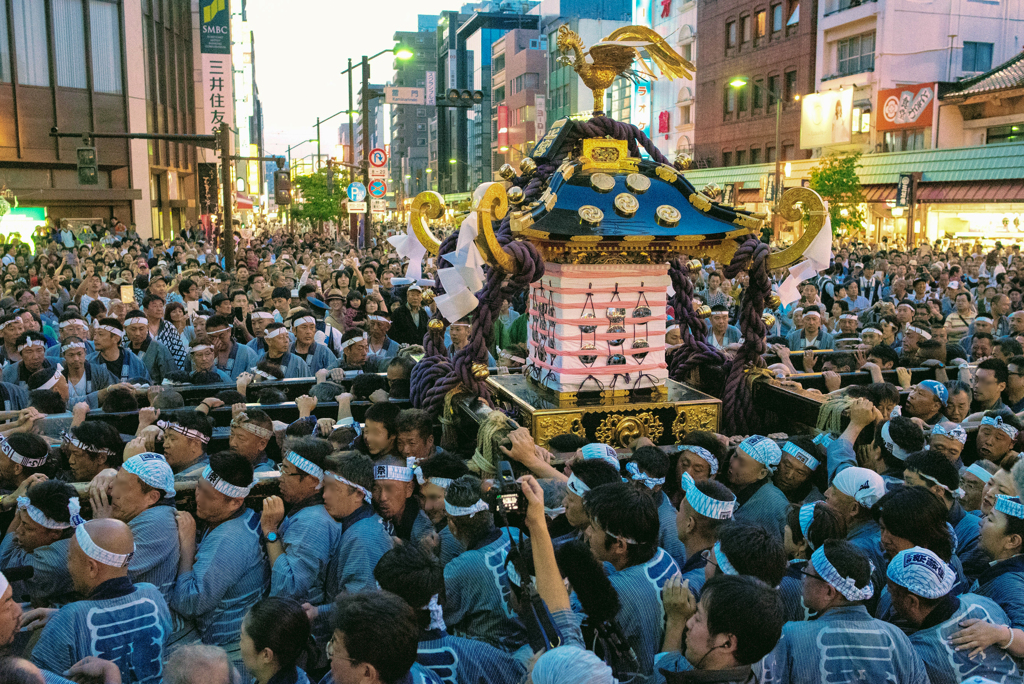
x,y
883,544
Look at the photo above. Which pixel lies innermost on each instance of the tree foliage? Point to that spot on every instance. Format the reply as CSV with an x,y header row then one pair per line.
x,y
835,179
317,203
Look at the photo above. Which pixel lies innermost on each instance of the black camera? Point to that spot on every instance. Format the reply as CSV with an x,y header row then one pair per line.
x,y
506,498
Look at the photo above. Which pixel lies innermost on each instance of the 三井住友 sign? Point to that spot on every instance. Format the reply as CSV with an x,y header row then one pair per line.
x,y
215,48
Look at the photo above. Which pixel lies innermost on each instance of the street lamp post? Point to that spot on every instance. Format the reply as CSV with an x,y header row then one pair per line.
x,y
400,53
742,82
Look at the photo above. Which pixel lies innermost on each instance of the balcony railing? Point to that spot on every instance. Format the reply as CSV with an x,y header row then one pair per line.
x,y
844,5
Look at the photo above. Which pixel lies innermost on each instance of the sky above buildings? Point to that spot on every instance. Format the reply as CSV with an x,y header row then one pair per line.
x,y
301,48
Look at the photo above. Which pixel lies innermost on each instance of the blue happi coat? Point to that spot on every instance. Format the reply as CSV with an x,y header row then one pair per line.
x,y
642,615
467,661
1003,582
230,575
309,536
124,623
241,359
767,507
193,471
477,594
14,374
450,546
292,365
156,548
844,644
792,591
131,365
318,357
668,534
946,665
361,544
97,377
692,570
51,581
967,527
12,397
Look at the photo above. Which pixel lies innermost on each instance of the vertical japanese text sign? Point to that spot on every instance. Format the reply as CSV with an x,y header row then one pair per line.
x,y
215,46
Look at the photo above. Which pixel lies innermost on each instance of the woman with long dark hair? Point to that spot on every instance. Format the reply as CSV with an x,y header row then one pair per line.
x,y
275,634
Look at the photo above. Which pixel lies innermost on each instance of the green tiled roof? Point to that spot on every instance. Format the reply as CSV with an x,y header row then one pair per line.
x,y
1007,75
987,162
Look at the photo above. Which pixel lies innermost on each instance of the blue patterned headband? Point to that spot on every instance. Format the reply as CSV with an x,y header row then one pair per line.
x,y
704,454
705,505
844,585
801,455
723,563
806,518
956,432
921,572
1010,506
763,450
650,482
997,423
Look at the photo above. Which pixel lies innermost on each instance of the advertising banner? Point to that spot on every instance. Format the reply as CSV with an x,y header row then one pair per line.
x,y
905,107
826,118
215,48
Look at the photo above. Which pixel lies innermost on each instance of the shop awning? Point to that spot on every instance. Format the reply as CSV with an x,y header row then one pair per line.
x,y
953,193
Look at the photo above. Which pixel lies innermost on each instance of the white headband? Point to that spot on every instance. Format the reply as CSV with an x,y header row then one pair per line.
x,y
355,340
392,472
705,505
844,585
997,423
650,482
242,421
920,331
302,320
70,439
13,320
31,342
263,374
188,432
261,314
200,347
367,497
225,487
217,332
457,511
74,512
71,345
307,466
801,455
10,453
92,550
576,485
897,451
275,332
442,482
63,324
865,331
704,454
111,329
957,493
54,380
848,317
379,319
136,320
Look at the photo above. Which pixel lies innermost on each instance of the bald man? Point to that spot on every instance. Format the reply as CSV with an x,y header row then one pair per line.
x,y
118,621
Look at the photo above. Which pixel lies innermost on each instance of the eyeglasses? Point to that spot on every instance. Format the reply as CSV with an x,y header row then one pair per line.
x,y
330,651
707,555
810,576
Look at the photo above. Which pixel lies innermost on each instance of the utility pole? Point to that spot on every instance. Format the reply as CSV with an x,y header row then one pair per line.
x,y
364,159
227,230
317,143
353,230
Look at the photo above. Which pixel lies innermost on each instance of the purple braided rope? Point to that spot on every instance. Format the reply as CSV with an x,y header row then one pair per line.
x,y
601,126
695,351
737,399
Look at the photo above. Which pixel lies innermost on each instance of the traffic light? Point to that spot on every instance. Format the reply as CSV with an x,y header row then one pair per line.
x,y
461,98
88,173
282,187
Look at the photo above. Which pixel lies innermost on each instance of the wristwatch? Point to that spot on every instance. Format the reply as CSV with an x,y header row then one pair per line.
x,y
272,537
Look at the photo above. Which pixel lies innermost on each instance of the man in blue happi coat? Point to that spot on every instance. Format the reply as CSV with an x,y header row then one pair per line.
x,y
586,474
418,578
88,382
72,325
649,468
845,643
141,494
251,432
39,537
154,354
348,479
185,436
231,358
707,505
125,623
277,342
32,348
750,478
316,355
204,366
302,543
623,533
477,592
222,569
122,364
921,586
935,472
852,494
393,495
435,476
